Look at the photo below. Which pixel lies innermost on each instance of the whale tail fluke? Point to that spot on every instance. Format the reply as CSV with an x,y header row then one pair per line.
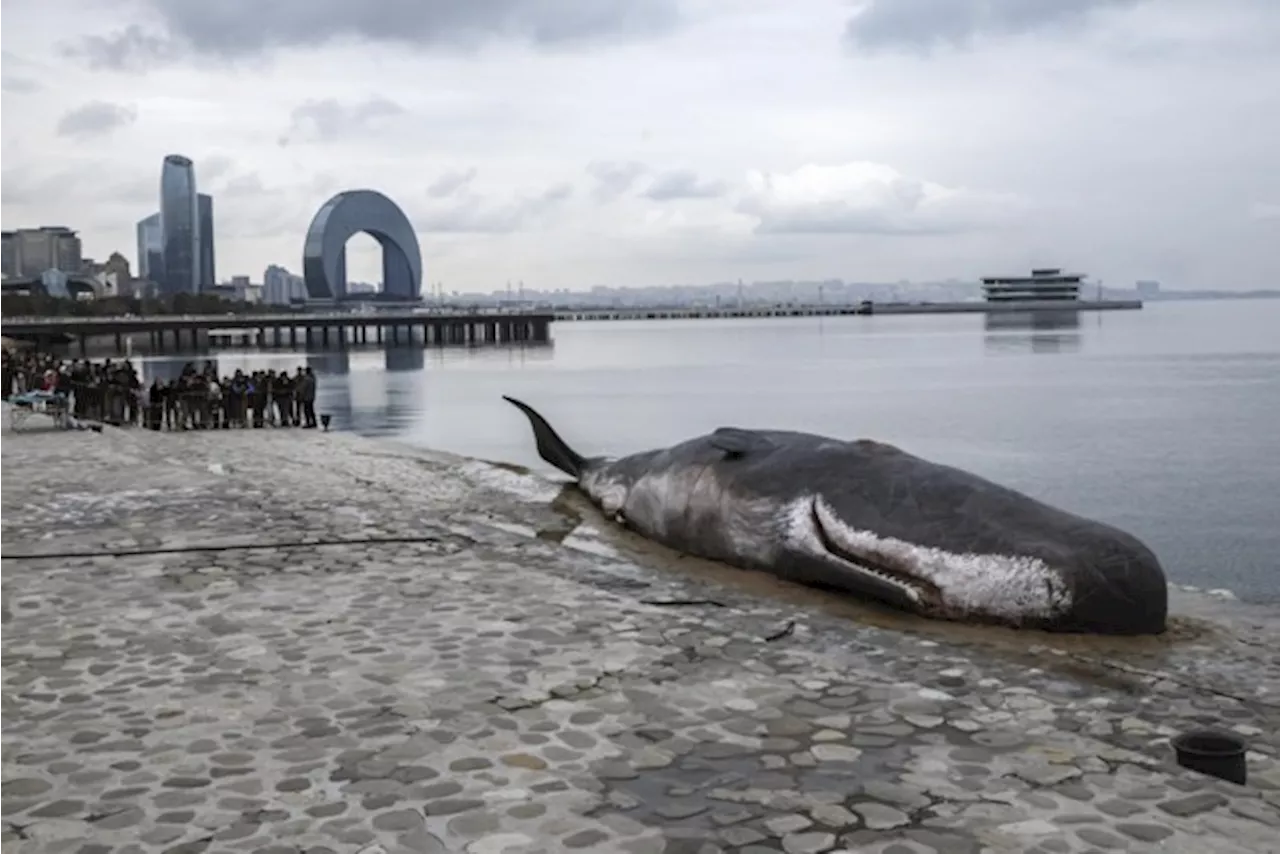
x,y
551,447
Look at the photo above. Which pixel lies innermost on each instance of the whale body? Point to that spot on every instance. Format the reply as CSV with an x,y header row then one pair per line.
x,y
869,519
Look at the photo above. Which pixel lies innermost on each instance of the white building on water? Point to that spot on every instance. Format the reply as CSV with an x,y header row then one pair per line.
x,y
1045,284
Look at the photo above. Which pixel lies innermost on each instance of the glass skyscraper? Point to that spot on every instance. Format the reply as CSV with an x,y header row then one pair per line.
x,y
151,249
180,226
208,275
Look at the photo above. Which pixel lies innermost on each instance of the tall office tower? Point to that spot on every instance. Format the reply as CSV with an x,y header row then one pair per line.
x,y
180,226
208,277
151,249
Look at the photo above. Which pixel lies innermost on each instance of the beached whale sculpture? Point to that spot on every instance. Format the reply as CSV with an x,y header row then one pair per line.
x,y
870,519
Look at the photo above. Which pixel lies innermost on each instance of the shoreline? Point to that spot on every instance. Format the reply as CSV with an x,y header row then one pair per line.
x,y
514,678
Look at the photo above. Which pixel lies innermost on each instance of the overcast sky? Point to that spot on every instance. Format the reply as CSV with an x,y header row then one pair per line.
x,y
569,143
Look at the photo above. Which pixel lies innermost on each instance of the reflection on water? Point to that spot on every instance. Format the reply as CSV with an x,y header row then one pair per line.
x,y
405,358
1034,331
374,391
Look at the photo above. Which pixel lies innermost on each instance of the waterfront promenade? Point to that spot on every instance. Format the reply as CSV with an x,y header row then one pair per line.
x,y
484,666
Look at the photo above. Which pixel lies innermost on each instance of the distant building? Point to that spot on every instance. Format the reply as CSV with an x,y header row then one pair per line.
x,y
1046,284
180,226
280,287
117,278
1147,288
151,249
208,275
239,288
30,252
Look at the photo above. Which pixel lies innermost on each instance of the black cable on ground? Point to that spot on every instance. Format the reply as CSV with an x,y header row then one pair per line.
x,y
229,547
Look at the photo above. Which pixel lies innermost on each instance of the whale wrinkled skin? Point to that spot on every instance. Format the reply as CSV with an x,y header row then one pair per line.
x,y
870,519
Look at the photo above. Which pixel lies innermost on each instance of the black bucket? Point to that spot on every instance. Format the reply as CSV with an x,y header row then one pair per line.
x,y
1218,754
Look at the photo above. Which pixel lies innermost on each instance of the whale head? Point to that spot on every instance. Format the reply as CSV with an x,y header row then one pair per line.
x,y
1089,578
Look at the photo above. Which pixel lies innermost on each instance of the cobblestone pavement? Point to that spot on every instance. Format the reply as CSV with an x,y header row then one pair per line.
x,y
496,670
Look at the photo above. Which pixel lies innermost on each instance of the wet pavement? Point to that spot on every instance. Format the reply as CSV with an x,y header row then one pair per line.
x,y
203,661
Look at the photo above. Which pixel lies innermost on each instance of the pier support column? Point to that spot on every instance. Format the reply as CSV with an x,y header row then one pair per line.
x,y
378,333
324,337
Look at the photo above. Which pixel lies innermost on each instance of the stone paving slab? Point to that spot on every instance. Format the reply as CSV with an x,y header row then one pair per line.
x,y
495,669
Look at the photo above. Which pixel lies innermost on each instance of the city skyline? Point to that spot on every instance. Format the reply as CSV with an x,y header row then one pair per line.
x,y
765,140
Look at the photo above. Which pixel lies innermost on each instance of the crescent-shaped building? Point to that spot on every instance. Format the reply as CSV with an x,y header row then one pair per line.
x,y
324,255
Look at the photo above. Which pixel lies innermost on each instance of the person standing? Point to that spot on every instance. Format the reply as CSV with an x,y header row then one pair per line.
x,y
282,392
306,394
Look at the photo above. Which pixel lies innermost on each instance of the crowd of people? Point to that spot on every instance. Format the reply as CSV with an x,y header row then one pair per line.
x,y
112,392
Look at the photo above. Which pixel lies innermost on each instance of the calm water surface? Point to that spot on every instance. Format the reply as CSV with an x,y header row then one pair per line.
x,y
1165,421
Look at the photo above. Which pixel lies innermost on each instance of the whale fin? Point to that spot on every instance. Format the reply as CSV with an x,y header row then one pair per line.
x,y
551,447
736,442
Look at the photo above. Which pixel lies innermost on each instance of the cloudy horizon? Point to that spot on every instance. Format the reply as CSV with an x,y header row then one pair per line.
x,y
650,142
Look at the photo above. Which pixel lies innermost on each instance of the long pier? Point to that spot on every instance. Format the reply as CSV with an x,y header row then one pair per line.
x,y
294,329
863,308
466,328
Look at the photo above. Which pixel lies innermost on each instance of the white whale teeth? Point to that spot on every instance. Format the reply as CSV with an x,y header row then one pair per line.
x,y
828,527
1009,587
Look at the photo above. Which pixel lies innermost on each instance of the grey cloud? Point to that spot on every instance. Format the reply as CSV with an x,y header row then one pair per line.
x,y
137,190
923,24
612,179
238,28
15,85
473,215
96,118
877,203
1264,211
80,184
213,166
130,49
450,183
244,185
329,119
834,217
683,184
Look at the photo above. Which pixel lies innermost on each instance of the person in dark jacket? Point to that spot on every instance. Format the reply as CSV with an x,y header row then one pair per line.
x,y
307,397
155,405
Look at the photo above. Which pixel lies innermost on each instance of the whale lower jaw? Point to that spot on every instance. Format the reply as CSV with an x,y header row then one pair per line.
x,y
1011,589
